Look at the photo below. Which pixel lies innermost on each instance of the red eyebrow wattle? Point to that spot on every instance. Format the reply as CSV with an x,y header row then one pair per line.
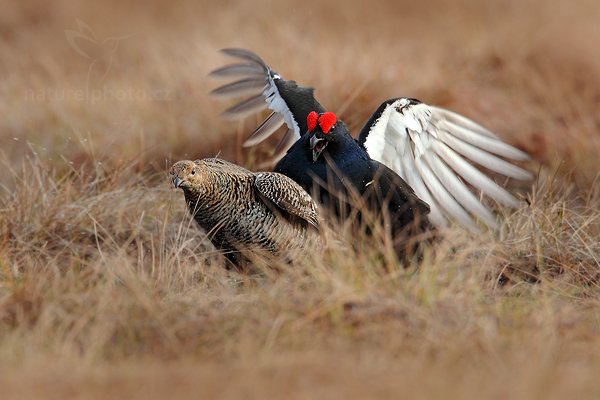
x,y
326,121
311,120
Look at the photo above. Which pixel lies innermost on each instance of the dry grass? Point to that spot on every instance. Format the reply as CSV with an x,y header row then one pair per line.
x,y
108,290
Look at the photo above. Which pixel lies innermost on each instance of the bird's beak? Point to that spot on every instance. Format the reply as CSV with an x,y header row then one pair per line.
x,y
176,182
317,146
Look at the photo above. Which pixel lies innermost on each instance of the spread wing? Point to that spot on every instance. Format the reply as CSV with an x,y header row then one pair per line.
x,y
429,147
289,103
287,195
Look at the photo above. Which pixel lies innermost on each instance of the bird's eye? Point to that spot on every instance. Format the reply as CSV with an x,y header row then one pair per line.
x,y
193,172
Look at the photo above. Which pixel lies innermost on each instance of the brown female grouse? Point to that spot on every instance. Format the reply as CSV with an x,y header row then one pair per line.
x,y
243,211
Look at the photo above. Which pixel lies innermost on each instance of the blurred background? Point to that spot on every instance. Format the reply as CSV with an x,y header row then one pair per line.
x,y
126,81
108,289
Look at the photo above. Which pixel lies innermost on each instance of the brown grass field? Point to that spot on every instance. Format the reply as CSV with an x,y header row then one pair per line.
x,y
108,290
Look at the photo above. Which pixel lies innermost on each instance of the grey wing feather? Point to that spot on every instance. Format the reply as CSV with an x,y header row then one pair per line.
x,y
239,69
244,55
287,195
258,81
247,86
273,122
246,107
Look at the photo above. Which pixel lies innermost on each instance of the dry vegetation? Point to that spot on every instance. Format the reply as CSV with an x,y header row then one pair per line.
x,y
107,289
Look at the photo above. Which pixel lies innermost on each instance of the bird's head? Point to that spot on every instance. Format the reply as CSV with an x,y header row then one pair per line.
x,y
185,174
322,128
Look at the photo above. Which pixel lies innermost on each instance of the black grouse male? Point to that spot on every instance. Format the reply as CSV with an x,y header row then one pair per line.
x,y
427,146
330,165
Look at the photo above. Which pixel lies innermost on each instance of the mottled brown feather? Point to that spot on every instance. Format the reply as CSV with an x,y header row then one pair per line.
x,y
287,195
245,211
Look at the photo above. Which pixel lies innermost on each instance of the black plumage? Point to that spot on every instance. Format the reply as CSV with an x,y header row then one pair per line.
x,y
340,175
434,150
